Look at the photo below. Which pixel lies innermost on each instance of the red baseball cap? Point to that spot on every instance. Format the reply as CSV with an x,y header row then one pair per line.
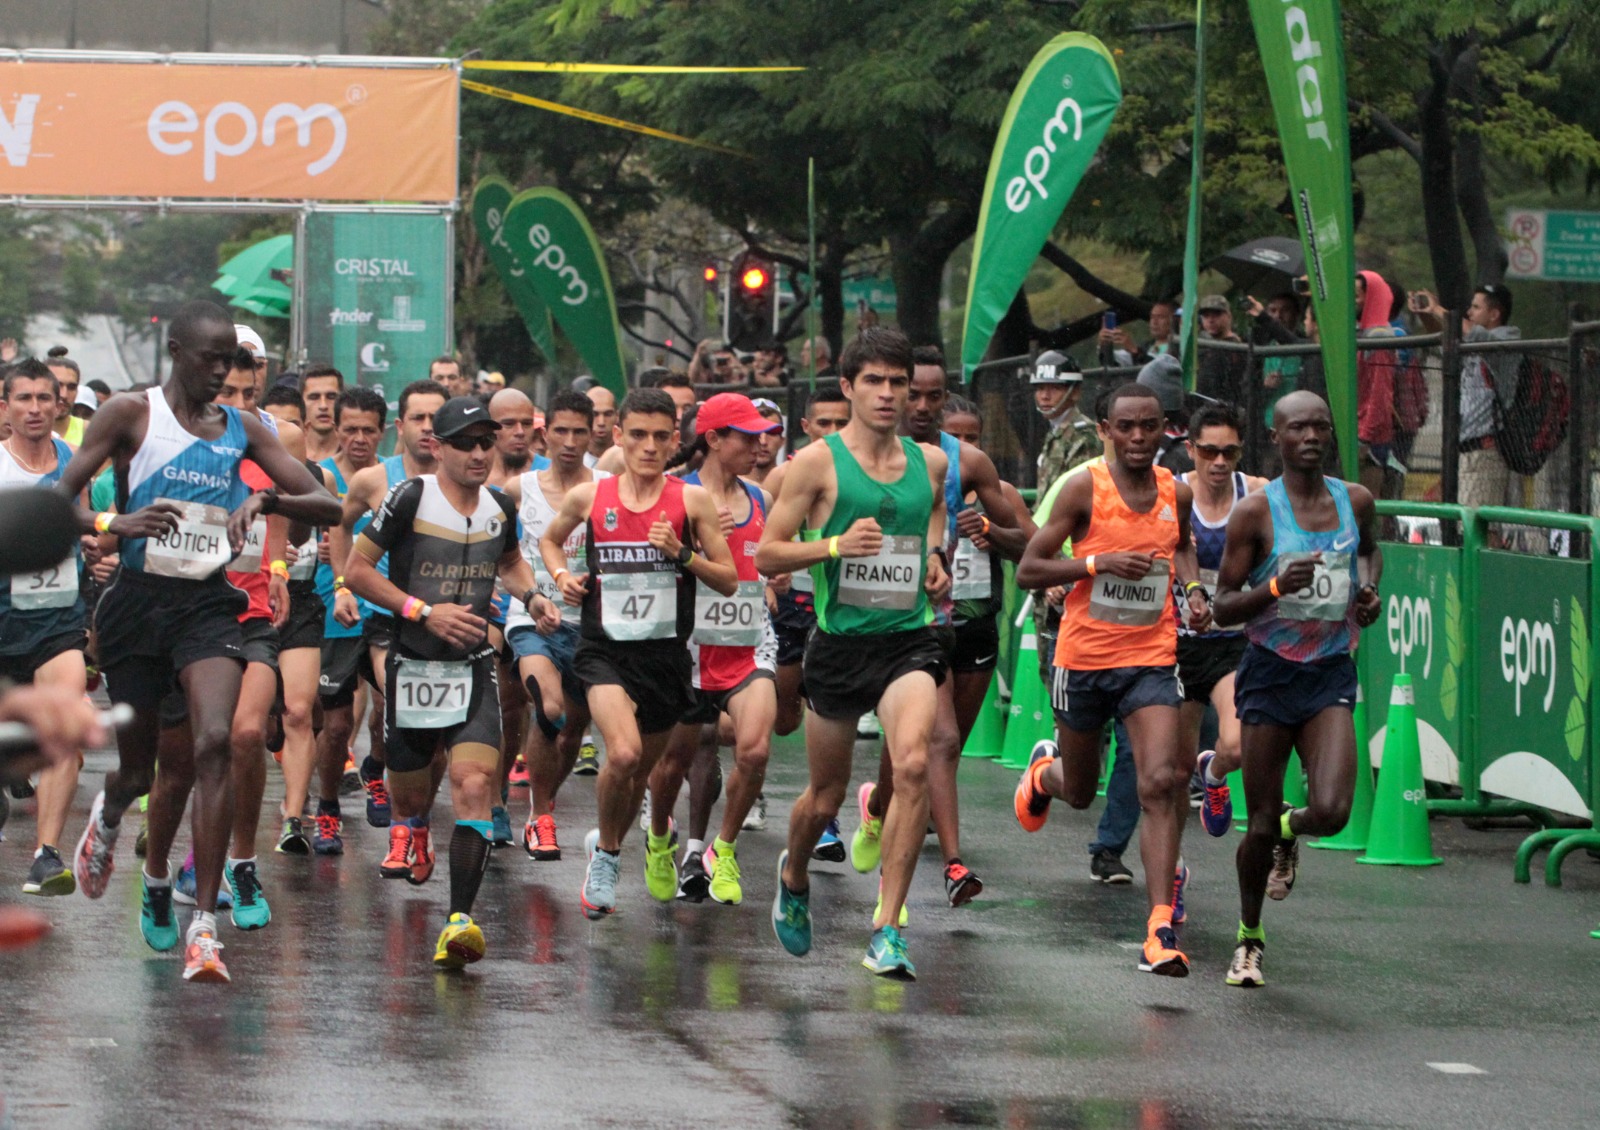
x,y
730,410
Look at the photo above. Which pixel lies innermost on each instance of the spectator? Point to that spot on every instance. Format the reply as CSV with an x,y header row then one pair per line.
x,y
1164,375
676,385
1163,323
770,369
1275,325
1485,377
1375,371
447,371
1221,374
819,348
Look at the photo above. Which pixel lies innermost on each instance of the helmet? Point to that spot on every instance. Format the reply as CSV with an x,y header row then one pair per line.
x,y
1055,368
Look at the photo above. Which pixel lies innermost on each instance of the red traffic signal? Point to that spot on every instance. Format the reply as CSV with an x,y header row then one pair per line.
x,y
710,273
754,279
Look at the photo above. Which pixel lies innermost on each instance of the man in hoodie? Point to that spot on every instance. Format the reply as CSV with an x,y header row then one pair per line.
x,y
1375,373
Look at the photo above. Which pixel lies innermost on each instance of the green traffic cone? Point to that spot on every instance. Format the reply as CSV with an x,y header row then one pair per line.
x,y
1111,760
1030,718
989,731
1353,836
1294,782
1241,811
1399,835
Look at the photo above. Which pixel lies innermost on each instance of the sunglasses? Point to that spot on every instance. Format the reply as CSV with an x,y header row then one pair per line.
x,y
1207,452
467,443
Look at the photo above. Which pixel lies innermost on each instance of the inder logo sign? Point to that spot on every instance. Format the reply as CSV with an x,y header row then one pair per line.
x,y
262,133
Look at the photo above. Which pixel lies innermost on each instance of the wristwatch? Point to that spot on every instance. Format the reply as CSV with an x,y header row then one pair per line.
x,y
685,554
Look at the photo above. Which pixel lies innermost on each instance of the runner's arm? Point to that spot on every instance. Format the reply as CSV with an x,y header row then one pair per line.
x,y
1245,546
1369,557
778,553
1186,567
937,581
362,495
713,562
574,511
1042,566
299,494
359,566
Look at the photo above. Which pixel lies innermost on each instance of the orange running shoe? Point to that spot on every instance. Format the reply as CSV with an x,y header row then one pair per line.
x,y
539,838
518,778
1032,803
202,960
397,864
421,857
1161,955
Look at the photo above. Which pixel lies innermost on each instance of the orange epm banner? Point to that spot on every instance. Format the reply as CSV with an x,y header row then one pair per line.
x,y
231,132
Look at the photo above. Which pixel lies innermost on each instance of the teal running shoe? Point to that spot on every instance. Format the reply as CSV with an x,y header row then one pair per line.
x,y
250,910
156,921
886,955
791,915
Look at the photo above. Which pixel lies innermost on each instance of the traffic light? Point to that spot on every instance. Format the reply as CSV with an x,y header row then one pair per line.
x,y
709,274
750,319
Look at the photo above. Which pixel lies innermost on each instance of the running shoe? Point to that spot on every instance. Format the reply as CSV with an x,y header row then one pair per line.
x,y
725,877
202,959
292,840
961,883
350,780
1030,802
1180,884
250,909
378,810
460,943
421,857
694,882
866,847
1161,955
644,814
22,790
588,763
660,869
877,909
157,924
1245,969
49,875
275,735
141,840
518,779
830,845
1107,867
539,839
185,888
756,819
1197,790
868,726
1216,812
500,834
397,864
92,862
328,840
791,915
1285,866
886,955
599,892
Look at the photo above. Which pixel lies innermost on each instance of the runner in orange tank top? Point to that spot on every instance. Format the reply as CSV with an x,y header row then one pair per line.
x,y
1117,652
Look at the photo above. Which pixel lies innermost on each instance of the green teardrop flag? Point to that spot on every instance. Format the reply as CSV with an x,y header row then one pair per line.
x,y
1059,113
1302,49
550,237
490,199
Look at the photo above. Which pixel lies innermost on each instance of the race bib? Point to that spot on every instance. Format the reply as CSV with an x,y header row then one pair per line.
x,y
800,581
249,559
729,621
1327,597
55,587
890,579
1131,604
196,549
971,572
639,606
305,564
431,694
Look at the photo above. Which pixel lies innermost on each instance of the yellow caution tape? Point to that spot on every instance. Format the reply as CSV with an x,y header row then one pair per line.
x,y
611,68
599,119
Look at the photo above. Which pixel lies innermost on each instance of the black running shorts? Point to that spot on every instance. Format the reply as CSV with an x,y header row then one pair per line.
x,y
657,676
977,647
149,628
1204,661
847,675
1272,691
306,615
21,668
711,705
1085,701
411,750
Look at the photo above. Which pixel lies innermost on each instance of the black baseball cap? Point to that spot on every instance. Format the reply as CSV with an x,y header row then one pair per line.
x,y
460,413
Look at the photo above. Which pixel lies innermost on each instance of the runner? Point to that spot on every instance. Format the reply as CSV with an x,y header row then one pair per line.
x,y
447,536
605,422
1207,660
321,386
42,615
1128,521
733,650
1296,686
170,611
769,452
359,413
520,424
418,402
650,537
872,506
545,659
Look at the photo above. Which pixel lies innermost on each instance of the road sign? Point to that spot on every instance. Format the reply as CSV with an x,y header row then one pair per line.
x,y
1553,245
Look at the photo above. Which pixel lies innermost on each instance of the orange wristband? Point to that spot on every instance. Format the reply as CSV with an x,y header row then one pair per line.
x,y
1272,587
1088,563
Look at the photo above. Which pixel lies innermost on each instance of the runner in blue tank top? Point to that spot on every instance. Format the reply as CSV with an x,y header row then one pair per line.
x,y
1308,547
169,611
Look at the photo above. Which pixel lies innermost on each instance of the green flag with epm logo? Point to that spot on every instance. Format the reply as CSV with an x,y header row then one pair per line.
x,y
549,235
1302,49
1057,117
490,199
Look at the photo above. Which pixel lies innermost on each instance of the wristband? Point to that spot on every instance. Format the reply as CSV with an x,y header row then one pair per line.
x,y
338,583
1191,586
280,569
984,518
527,597
1272,587
413,609
559,573
103,520
1088,563
343,590
833,546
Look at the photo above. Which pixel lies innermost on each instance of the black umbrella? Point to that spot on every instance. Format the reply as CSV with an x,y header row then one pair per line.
x,y
1263,267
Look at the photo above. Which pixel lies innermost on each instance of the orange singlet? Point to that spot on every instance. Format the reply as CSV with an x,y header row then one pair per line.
x,y
1113,622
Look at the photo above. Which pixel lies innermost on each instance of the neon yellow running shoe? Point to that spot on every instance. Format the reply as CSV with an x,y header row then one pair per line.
x,y
461,943
905,918
660,869
866,847
725,886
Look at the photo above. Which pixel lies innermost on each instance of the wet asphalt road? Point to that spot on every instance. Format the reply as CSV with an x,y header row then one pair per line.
x,y
1029,1012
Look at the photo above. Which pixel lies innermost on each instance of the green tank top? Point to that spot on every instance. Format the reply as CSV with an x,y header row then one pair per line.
x,y
864,596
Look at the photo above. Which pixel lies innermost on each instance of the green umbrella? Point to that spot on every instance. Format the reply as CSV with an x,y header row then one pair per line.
x,y
252,268
262,303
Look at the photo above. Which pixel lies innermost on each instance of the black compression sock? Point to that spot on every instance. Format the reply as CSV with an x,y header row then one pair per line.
x,y
371,768
469,859
328,807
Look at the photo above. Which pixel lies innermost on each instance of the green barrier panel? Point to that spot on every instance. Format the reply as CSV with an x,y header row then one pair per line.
x,y
1537,643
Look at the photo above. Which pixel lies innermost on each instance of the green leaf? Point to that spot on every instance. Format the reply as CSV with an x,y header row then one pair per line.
x,y
1452,620
1580,651
1577,728
1448,692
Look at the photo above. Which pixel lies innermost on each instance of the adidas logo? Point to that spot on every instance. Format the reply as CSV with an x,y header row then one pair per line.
x,y
1166,514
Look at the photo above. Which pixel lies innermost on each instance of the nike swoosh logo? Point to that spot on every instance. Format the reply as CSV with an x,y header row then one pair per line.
x,y
1346,544
985,659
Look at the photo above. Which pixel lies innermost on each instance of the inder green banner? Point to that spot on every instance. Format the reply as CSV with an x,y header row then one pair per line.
x,y
490,200
1058,115
1302,49
377,295
548,234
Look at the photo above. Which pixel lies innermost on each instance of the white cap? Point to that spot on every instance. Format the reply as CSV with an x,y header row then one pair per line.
x,y
251,341
87,398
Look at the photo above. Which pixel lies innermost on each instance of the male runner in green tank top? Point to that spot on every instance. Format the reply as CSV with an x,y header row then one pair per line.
x,y
872,506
